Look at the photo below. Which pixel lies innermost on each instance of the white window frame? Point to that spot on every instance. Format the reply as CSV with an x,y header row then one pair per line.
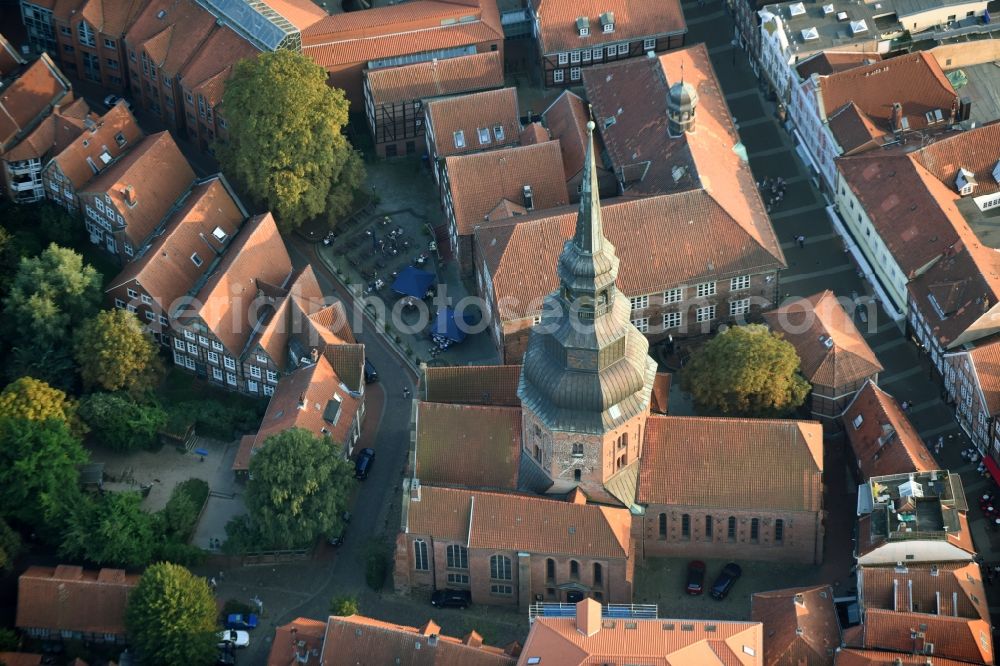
x,y
558,75
231,378
642,324
739,283
459,138
150,316
498,132
672,320
216,345
217,374
252,386
272,376
213,358
675,295
202,340
189,363
574,57
706,313
268,390
229,362
255,371
146,300
178,344
705,289
261,359
563,59
649,44
575,73
132,293
623,49
189,334
484,135
639,302
739,307
192,348
119,303
585,55
608,27
598,53
858,420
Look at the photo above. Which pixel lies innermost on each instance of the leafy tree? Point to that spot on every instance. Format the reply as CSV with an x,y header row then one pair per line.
x,y
50,295
376,567
182,509
34,400
111,530
344,606
298,489
38,475
10,547
287,147
171,617
115,353
745,371
53,365
121,423
8,640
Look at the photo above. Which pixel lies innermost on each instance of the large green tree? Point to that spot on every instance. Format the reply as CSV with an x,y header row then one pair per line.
x,y
10,546
286,146
171,618
39,482
298,489
111,530
115,353
117,421
745,371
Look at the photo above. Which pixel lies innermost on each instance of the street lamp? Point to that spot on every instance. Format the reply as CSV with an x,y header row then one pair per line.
x,y
735,44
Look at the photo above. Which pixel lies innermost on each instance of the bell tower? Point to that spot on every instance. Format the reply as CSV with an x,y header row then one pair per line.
x,y
587,376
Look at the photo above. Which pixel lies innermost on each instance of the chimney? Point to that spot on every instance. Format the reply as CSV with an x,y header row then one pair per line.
x,y
529,200
588,617
800,600
430,629
302,401
314,354
897,117
129,194
415,490
473,640
432,640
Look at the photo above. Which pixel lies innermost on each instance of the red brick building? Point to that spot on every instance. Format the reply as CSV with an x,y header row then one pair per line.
x,y
800,625
89,38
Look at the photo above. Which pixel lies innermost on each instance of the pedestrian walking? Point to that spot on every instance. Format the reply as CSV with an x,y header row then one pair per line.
x,y
801,240
222,575
406,391
212,584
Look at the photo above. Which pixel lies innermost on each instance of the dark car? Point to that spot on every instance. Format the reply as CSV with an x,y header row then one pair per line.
x,y
451,598
338,538
696,577
363,465
725,580
371,375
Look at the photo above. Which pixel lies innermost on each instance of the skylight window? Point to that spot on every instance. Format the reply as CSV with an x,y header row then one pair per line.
x,y
810,34
827,10
797,9
484,135
219,234
196,260
460,139
858,27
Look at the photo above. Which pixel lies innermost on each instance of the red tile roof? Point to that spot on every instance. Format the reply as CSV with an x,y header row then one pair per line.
x,y
732,463
953,637
914,80
446,76
480,181
29,98
20,659
634,92
986,363
831,62
469,113
468,445
54,134
473,385
976,150
158,174
949,588
506,521
567,119
533,133
633,19
298,637
300,13
854,657
207,70
660,396
854,130
832,350
703,242
356,639
111,17
885,441
102,139
69,598
171,39
800,625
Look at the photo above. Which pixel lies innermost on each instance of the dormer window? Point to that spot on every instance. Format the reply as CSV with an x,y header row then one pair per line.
x,y
196,260
220,235
460,139
583,26
484,135
608,22
965,181
498,133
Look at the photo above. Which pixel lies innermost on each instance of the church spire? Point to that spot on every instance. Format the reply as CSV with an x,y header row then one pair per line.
x,y
589,235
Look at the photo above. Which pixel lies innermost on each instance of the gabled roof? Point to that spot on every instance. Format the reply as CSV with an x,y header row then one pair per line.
x,y
566,118
633,19
69,598
986,361
953,637
256,258
164,269
663,242
950,588
630,108
113,134
434,78
295,638
291,311
473,384
884,440
54,133
311,398
207,70
467,445
10,59
855,657
171,31
480,181
20,659
469,113
913,80
831,62
976,150
734,463
505,521
356,639
28,99
832,351
158,174
533,133
111,17
800,625
854,130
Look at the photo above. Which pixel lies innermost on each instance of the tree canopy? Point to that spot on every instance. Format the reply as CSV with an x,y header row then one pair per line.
x,y
171,617
298,489
10,546
111,530
745,371
34,400
115,353
286,147
119,422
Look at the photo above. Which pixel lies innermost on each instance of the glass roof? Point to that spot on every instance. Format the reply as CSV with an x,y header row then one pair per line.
x,y
254,20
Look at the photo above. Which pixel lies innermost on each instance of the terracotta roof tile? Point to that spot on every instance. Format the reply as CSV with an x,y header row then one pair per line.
x,y
473,385
290,314
914,80
480,181
660,396
800,625
885,442
207,70
950,589
73,599
660,642
158,174
446,76
102,139
831,62
663,242
54,134
287,637
854,657
705,160
29,97
533,133
112,17
356,639
300,13
468,114
986,361
953,637
171,41
566,119
854,130
632,19
975,150
20,659
505,521
719,462
466,445
257,255
832,350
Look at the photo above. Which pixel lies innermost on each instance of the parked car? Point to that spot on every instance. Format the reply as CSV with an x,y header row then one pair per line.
x,y
338,538
725,580
240,639
111,100
241,621
696,577
451,598
371,375
364,463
